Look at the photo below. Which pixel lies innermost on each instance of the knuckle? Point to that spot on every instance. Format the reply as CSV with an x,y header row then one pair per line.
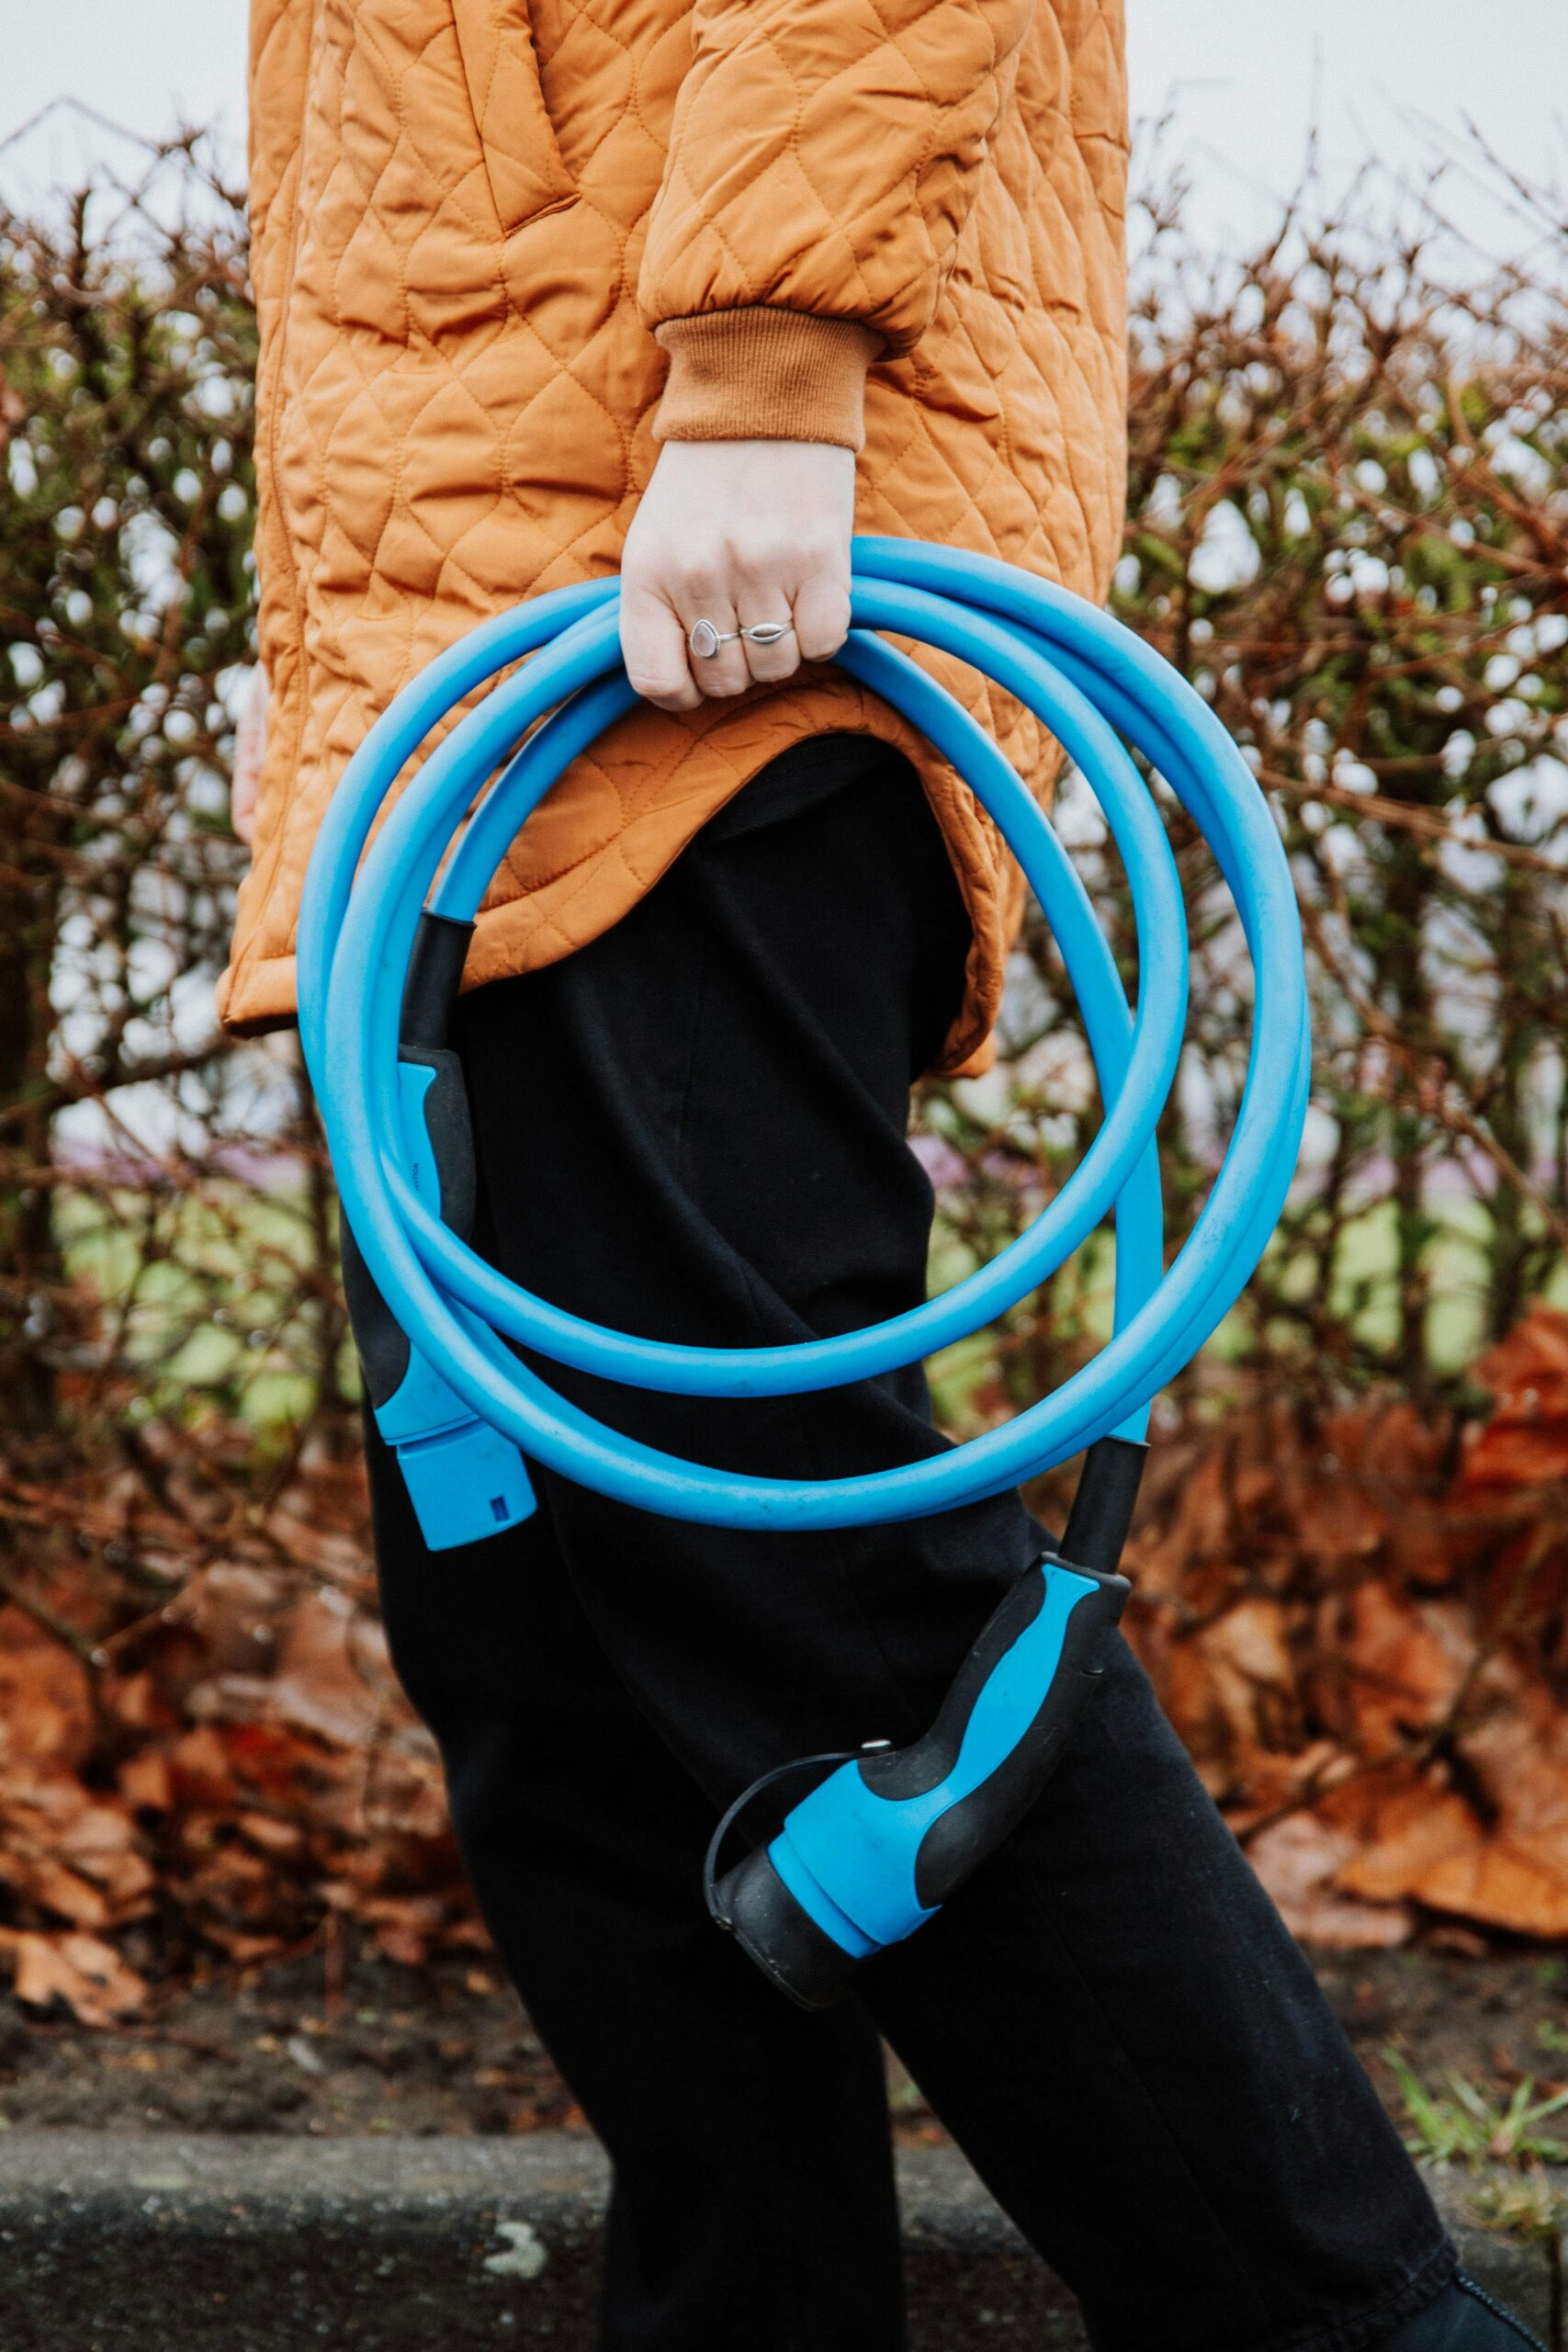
x,y
695,579
822,634
763,561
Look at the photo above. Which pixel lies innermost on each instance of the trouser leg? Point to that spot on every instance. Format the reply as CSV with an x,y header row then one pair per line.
x,y
694,1128
753,2192
1114,2024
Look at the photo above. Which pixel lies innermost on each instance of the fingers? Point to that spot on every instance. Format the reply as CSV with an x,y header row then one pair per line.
x,y
243,808
653,647
822,612
764,606
708,595
656,630
250,748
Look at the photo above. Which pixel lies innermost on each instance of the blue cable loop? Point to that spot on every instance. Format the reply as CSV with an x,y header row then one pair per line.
x,y
1096,687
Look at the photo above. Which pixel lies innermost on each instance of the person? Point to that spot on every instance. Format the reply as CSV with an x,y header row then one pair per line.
x,y
552,287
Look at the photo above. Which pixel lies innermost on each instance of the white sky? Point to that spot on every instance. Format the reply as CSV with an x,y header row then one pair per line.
x,y
1384,79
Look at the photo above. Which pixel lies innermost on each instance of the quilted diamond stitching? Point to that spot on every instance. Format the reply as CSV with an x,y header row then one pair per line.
x,y
457,343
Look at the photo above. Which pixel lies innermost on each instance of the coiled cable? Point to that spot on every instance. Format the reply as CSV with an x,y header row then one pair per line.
x,y
1098,689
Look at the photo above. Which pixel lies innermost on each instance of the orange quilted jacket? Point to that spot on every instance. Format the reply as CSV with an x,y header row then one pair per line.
x,y
503,247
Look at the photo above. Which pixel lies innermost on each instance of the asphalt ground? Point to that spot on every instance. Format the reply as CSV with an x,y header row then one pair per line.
x,y
183,2242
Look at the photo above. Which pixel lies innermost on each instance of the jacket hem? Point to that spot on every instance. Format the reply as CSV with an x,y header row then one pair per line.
x,y
258,993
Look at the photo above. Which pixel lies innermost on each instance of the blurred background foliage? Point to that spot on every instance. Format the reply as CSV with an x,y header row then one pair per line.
x,y
1347,523
1348,526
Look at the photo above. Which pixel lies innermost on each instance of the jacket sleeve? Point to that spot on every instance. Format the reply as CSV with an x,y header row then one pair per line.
x,y
822,162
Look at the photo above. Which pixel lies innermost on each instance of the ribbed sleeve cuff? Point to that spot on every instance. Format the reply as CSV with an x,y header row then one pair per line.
x,y
765,375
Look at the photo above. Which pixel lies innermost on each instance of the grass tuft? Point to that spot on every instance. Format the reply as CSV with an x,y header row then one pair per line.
x,y
1463,2125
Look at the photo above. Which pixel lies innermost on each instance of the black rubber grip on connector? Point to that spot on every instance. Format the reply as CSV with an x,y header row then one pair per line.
x,y
963,1836
382,1342
960,1840
436,971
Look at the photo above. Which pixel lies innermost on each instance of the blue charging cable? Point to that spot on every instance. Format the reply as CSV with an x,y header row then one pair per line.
x,y
383,931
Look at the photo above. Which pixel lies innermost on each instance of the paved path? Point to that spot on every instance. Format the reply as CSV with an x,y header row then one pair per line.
x,y
185,2243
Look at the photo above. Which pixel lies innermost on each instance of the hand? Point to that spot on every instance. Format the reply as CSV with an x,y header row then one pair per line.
x,y
250,742
735,532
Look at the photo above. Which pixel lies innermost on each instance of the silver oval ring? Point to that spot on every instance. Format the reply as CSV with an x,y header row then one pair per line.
x,y
704,639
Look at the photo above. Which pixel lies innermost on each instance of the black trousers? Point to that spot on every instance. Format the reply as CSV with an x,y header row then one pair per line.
x,y
694,1128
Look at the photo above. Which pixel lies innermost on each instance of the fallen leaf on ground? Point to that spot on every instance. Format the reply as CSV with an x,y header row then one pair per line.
x,y
88,1975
